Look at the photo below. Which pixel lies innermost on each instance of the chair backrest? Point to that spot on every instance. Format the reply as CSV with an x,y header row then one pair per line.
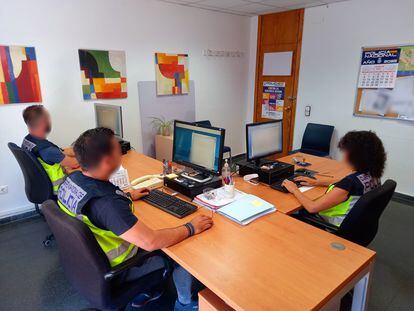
x,y
203,122
317,137
361,224
83,261
38,186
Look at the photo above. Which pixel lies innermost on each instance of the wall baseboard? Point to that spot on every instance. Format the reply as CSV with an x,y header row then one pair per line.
x,y
12,212
403,198
18,217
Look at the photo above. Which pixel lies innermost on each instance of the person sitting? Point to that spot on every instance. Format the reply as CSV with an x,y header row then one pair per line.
x,y
364,152
51,157
109,213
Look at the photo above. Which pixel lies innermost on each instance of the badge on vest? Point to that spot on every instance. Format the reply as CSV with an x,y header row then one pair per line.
x,y
70,194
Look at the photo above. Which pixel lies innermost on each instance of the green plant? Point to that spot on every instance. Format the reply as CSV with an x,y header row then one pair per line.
x,y
161,125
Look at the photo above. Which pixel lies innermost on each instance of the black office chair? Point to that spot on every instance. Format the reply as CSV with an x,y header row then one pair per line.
x,y
208,123
361,224
38,186
87,267
316,140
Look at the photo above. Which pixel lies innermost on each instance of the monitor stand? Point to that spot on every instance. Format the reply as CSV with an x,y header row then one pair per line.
x,y
197,176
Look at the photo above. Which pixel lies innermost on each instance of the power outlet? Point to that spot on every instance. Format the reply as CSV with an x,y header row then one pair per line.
x,y
4,189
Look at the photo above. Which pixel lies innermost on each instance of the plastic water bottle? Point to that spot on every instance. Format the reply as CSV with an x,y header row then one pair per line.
x,y
226,173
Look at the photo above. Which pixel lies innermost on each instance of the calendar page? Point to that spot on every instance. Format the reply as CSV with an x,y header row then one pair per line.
x,y
379,68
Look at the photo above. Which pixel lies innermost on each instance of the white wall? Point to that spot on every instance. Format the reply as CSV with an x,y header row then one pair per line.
x,y
58,29
331,47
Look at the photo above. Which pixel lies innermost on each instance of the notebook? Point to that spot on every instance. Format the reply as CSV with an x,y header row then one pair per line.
x,y
246,209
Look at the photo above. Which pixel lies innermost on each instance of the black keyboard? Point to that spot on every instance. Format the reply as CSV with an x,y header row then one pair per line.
x,y
278,185
170,204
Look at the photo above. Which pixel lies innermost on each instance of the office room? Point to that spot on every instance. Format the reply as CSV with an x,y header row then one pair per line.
x,y
206,155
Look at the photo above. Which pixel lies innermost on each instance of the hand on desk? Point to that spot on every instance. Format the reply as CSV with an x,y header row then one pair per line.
x,y
201,223
139,193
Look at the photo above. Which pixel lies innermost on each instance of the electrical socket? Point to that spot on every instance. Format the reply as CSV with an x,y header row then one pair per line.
x,y
4,189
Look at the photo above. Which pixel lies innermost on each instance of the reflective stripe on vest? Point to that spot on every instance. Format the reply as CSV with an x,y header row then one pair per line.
x,y
335,215
115,248
55,173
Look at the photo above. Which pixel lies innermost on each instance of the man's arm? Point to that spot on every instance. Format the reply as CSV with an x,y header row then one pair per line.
x,y
55,155
150,240
70,162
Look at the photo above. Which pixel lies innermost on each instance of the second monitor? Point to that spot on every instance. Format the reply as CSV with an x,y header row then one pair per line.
x,y
198,147
263,140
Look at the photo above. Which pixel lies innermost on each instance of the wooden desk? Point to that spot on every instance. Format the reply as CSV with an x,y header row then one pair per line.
x,y
285,202
274,263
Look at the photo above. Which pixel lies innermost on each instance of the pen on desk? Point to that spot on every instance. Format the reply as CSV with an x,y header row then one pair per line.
x,y
324,175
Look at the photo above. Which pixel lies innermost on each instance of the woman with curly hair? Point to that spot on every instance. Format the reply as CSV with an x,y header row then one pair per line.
x,y
364,152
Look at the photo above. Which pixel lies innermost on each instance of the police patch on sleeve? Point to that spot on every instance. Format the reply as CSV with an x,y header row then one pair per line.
x,y
28,145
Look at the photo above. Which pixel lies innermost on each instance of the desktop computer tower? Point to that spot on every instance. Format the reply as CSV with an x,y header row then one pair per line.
x,y
279,170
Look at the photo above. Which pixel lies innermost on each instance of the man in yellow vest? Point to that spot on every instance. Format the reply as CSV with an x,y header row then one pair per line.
x,y
50,156
108,212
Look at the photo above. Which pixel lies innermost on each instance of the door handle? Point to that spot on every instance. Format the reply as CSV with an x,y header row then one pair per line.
x,y
288,108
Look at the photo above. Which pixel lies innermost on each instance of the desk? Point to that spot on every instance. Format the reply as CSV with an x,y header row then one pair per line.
x,y
285,202
276,262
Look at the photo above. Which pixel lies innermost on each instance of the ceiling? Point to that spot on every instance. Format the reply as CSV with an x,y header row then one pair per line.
x,y
251,7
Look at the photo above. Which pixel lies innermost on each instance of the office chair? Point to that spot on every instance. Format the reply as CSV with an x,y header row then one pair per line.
x,y
87,267
361,224
208,123
38,186
316,140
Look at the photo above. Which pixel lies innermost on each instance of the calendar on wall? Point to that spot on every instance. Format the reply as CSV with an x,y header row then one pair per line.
x,y
386,83
379,68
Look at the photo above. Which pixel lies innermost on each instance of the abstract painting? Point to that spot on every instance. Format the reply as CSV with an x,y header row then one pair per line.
x,y
172,73
103,74
19,78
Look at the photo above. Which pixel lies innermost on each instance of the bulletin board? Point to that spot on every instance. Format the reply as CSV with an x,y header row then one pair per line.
x,y
386,83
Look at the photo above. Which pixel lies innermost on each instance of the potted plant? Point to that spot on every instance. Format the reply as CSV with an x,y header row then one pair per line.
x,y
162,126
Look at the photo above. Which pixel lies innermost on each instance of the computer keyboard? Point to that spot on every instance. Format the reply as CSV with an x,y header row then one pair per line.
x,y
170,204
278,185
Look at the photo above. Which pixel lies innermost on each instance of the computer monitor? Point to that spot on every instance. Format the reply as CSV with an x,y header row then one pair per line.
x,y
264,139
198,147
109,116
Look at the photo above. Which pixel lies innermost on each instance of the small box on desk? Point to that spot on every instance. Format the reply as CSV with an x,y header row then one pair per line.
x,y
280,170
189,187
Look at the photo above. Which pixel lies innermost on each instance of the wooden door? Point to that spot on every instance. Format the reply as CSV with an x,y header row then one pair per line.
x,y
280,32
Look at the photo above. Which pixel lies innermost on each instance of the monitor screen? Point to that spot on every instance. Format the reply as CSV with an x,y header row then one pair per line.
x,y
109,116
264,139
199,147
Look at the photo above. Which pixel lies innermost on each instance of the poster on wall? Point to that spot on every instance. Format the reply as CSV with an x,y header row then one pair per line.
x,y
273,100
19,77
379,68
103,74
406,64
171,71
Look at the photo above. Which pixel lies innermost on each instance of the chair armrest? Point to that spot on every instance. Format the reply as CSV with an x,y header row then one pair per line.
x,y
320,223
136,261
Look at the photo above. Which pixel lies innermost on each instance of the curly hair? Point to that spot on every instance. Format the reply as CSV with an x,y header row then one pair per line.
x,y
366,152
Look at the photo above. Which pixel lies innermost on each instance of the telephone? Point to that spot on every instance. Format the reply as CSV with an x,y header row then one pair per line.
x,y
148,181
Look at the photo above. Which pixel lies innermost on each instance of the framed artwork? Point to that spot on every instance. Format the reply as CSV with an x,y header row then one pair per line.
x,y
103,74
171,72
19,77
